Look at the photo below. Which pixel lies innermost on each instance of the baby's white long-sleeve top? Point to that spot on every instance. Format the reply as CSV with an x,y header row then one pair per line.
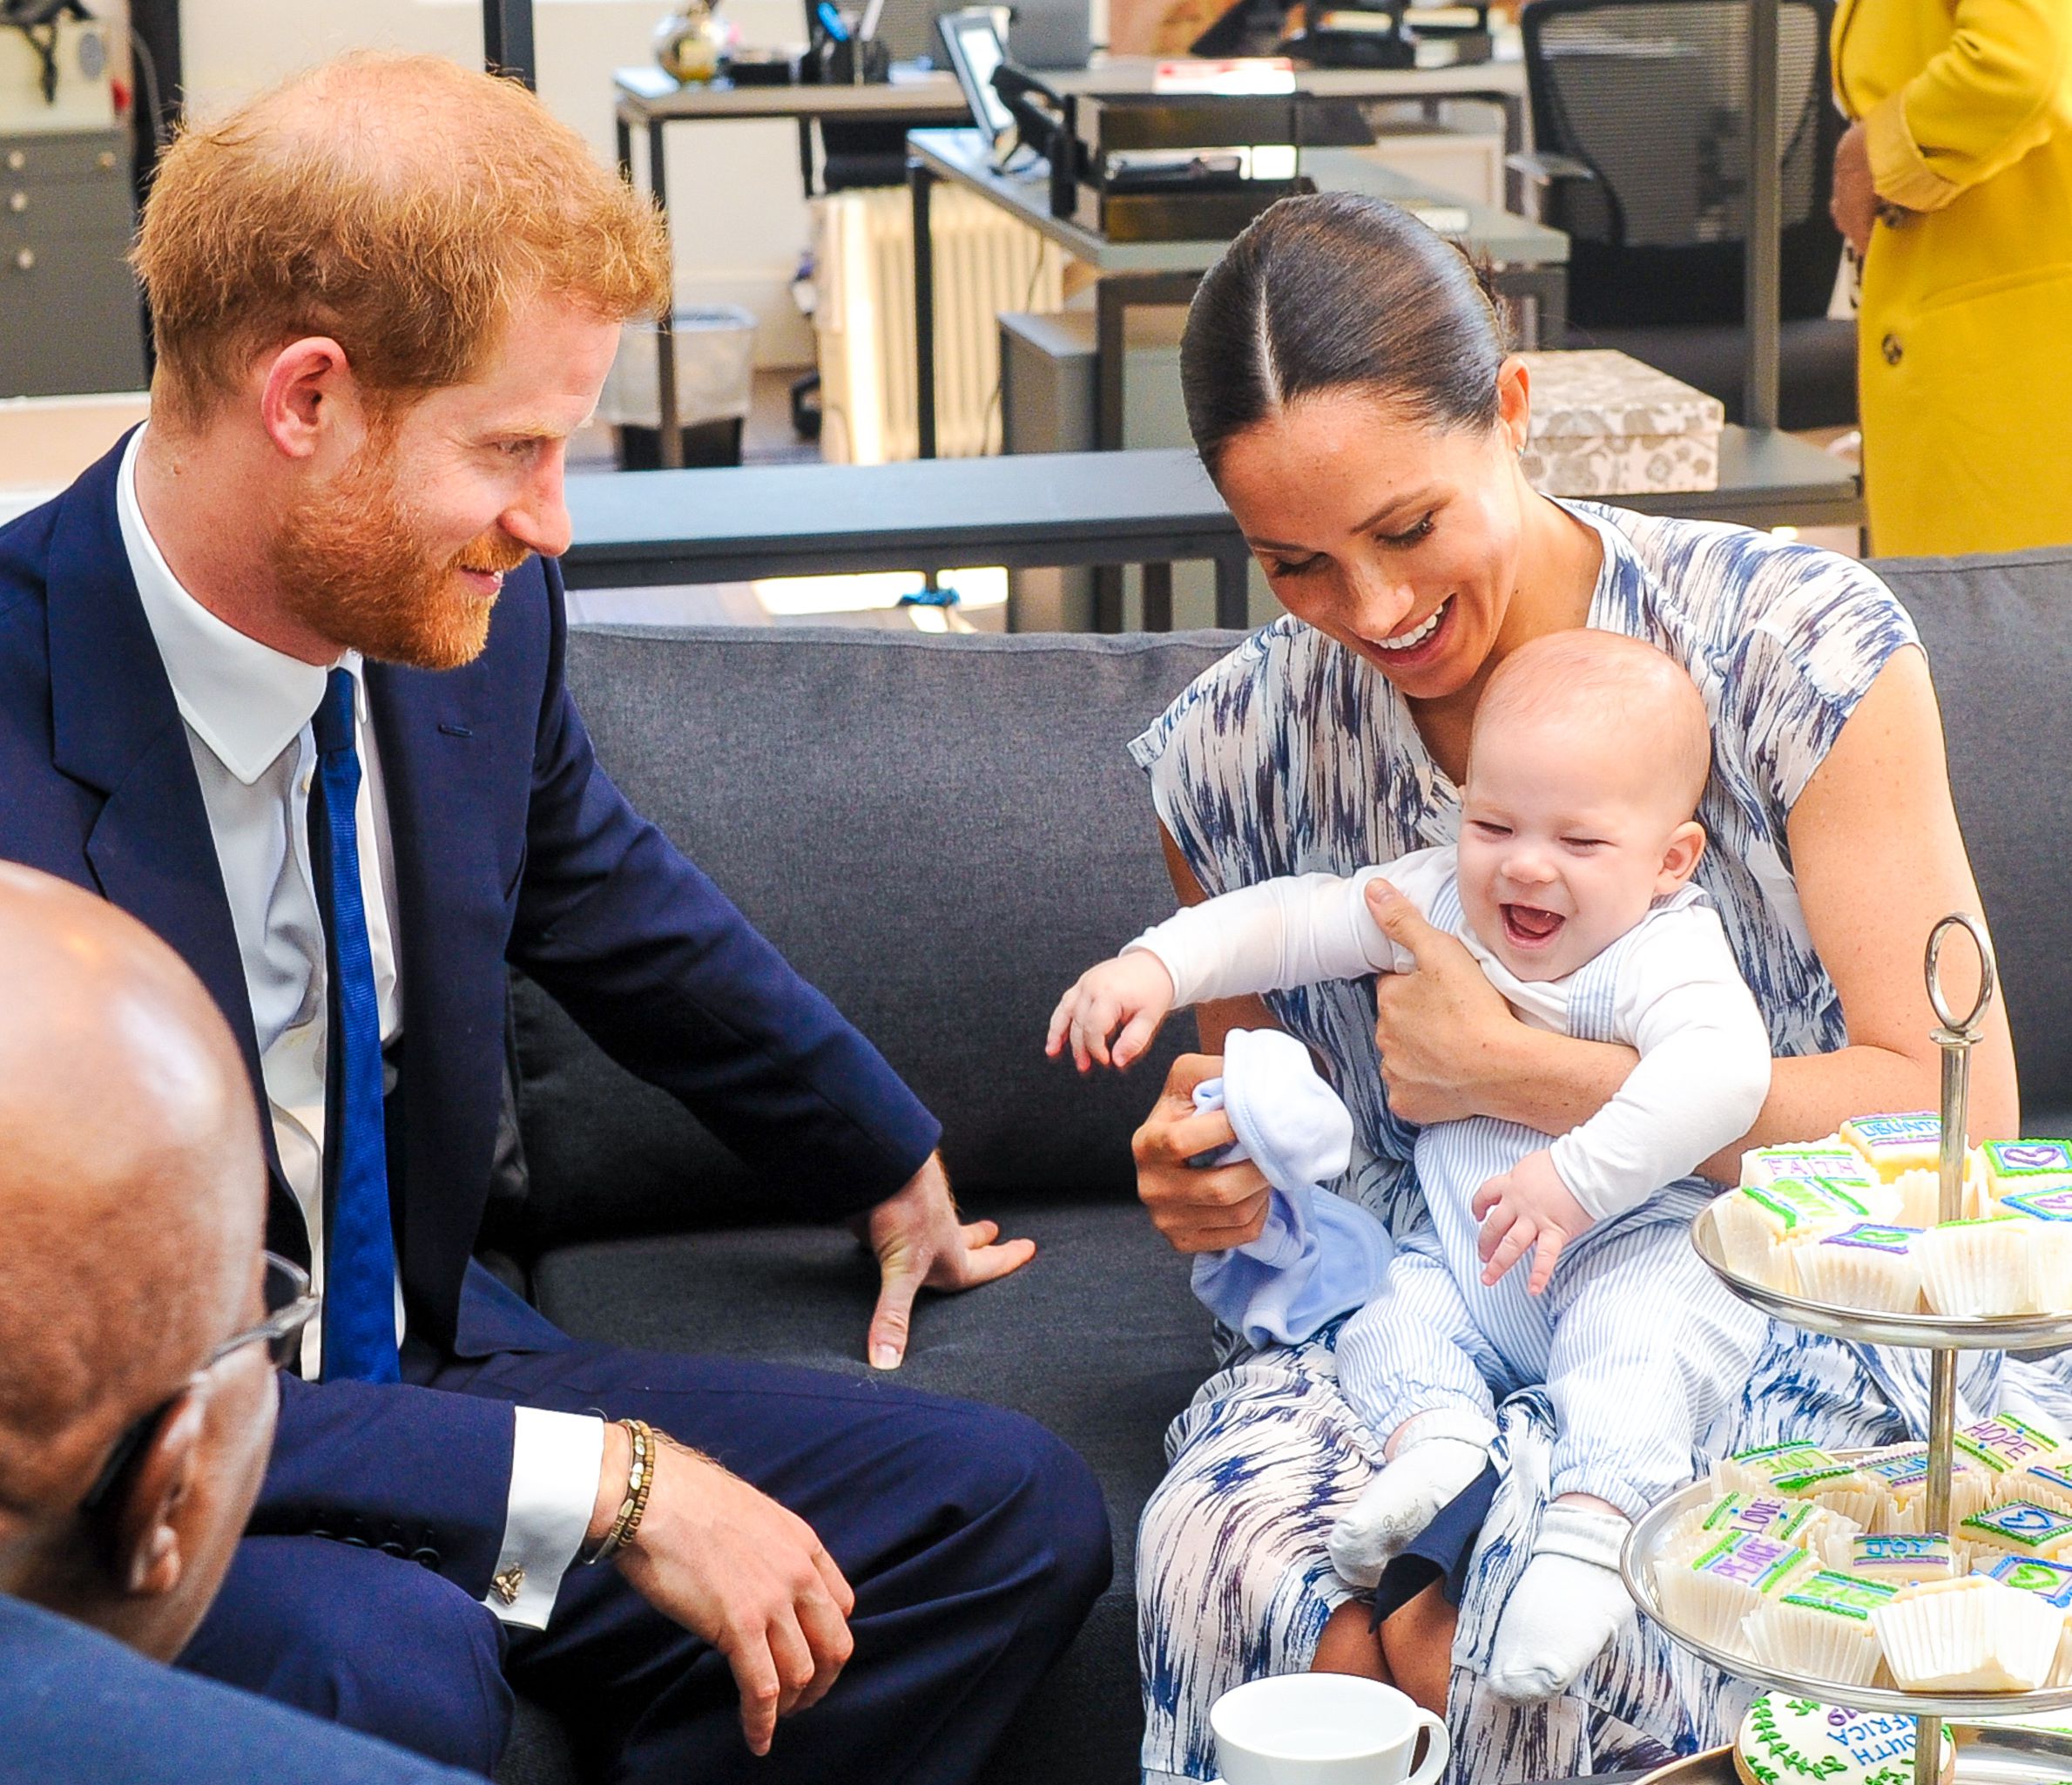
x,y
1679,999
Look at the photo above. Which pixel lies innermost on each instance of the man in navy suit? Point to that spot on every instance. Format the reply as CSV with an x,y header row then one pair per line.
x,y
282,675
136,1391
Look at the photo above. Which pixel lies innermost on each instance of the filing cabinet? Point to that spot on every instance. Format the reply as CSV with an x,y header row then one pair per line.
x,y
69,319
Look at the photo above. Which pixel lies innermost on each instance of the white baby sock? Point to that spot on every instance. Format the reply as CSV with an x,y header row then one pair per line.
x,y
1444,1452
1570,1603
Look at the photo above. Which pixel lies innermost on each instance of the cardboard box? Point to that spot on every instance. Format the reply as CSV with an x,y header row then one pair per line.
x,y
1605,424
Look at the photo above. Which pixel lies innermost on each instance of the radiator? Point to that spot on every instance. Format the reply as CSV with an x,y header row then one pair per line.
x,y
863,319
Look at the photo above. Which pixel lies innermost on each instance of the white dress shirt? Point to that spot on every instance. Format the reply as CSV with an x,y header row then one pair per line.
x,y
247,710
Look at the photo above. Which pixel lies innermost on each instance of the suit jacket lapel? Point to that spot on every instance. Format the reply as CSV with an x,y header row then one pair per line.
x,y
451,928
117,729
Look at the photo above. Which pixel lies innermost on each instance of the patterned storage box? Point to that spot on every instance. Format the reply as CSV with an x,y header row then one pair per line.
x,y
1605,424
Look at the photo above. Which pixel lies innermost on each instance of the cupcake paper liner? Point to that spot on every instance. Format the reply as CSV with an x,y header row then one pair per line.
x,y
2047,1483
1920,1191
1841,1277
1713,1594
1973,1271
1821,1628
1974,1635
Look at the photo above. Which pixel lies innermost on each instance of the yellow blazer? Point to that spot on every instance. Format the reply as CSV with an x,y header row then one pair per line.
x,y
1965,333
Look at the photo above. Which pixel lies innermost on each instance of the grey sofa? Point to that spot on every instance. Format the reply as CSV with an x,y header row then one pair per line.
x,y
940,832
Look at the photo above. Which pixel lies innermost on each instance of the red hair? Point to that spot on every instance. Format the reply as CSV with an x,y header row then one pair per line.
x,y
401,206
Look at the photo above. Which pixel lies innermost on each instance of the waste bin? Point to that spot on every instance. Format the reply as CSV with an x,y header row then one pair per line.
x,y
715,367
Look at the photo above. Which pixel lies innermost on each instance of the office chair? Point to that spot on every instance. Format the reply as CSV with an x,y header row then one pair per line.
x,y
1639,109
866,152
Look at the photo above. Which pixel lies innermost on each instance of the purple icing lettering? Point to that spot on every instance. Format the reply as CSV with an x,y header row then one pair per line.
x,y
2035,1156
1744,1560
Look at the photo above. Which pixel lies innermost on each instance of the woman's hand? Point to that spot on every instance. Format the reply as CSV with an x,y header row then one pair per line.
x,y
1198,1209
1853,203
1442,1029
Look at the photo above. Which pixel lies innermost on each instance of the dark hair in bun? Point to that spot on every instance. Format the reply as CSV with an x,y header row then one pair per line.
x,y
1334,291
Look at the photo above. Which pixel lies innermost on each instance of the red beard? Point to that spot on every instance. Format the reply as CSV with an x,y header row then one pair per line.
x,y
349,564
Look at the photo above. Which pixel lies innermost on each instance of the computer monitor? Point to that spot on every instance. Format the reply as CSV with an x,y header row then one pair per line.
x,y
1049,33
1040,33
971,38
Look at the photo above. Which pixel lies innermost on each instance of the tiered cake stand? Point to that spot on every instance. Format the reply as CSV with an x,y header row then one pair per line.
x,y
1943,1339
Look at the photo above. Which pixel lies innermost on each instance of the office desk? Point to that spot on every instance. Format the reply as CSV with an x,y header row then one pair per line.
x,y
649,100
1767,478
1499,83
1529,259
639,529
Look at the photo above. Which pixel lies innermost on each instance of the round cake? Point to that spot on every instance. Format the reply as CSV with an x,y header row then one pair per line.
x,y
1785,1738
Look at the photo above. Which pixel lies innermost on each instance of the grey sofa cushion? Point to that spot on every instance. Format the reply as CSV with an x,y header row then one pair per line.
x,y
940,833
1998,632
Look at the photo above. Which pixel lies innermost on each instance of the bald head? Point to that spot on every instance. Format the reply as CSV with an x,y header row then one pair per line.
x,y
132,1185
396,119
1618,686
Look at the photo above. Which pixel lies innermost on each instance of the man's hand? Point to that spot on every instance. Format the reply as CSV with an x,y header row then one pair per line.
x,y
1853,203
1132,992
1441,1026
732,1566
1528,1206
920,1244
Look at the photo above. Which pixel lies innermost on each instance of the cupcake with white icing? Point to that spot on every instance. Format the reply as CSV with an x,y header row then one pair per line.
x,y
1976,1269
1902,1473
1712,1593
2051,1582
1820,1627
1761,1224
1866,1266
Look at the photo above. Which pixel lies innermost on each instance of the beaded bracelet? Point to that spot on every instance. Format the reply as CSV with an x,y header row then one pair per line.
x,y
641,1480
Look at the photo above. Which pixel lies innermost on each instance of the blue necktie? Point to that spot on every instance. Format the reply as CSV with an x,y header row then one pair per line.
x,y
360,1251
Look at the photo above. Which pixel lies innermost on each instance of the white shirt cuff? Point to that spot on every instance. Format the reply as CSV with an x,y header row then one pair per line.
x,y
556,1460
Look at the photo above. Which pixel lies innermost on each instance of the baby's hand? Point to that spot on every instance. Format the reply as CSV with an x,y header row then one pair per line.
x,y
1134,990
1528,1206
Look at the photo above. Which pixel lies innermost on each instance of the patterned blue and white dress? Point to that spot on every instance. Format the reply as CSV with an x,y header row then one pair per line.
x,y
1292,755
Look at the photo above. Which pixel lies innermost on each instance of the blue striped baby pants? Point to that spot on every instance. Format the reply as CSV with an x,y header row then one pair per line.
x,y
1640,1348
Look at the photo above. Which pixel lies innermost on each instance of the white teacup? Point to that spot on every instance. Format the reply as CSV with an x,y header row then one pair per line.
x,y
1324,1729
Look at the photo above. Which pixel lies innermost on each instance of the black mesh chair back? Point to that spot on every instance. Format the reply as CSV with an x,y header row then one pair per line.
x,y
1651,97
861,153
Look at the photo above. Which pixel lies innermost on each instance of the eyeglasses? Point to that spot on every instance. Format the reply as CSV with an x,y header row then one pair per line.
x,y
289,1306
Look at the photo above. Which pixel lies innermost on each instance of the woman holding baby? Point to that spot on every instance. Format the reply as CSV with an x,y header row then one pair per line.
x,y
1347,388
